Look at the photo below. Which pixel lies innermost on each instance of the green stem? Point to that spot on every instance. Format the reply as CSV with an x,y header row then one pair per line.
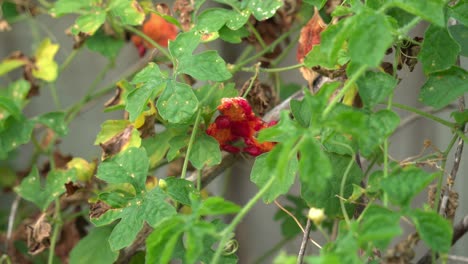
x,y
441,177
257,68
461,135
281,69
345,89
54,94
385,169
409,26
257,35
68,60
230,228
426,115
57,227
285,52
150,40
190,145
245,53
199,176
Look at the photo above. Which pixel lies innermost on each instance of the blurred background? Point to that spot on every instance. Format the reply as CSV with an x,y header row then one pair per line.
x,y
258,233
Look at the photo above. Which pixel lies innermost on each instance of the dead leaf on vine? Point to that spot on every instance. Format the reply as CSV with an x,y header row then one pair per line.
x,y
98,209
185,9
38,235
261,96
117,142
310,37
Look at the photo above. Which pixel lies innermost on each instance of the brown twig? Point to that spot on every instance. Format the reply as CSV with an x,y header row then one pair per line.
x,y
305,238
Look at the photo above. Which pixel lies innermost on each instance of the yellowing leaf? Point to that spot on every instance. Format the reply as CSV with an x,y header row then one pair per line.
x,y
8,65
46,68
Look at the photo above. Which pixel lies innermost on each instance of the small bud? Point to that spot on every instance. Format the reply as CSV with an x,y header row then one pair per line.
x,y
316,215
162,184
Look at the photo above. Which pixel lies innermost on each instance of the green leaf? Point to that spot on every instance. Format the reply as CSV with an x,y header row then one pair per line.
x,y
205,151
55,121
349,120
217,206
207,65
129,12
107,46
89,23
430,10
379,226
380,126
460,117
402,185
460,35
130,166
301,112
41,194
238,19
285,130
318,57
196,233
150,207
177,104
179,189
315,169
262,10
13,134
152,82
438,51
8,65
63,7
317,3
45,66
157,146
327,198
262,172
371,37
442,88
161,242
333,38
94,248
10,107
212,20
460,12
374,87
184,45
434,230
233,36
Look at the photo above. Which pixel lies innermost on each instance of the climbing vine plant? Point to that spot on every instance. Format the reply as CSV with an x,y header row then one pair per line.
x,y
184,107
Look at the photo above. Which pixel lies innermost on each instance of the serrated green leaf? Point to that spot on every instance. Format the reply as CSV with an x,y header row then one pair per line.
x,y
8,65
430,10
238,19
262,172
94,248
55,121
179,189
380,126
316,169
130,166
42,194
207,65
349,120
402,185
184,45
318,57
161,242
196,233
150,207
262,10
434,230
442,88
46,68
438,51
460,117
13,134
178,103
301,112
153,82
116,198
129,12
107,46
379,226
217,206
89,23
460,12
157,146
374,87
176,144
332,39
205,151
285,130
326,197
370,39
460,35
